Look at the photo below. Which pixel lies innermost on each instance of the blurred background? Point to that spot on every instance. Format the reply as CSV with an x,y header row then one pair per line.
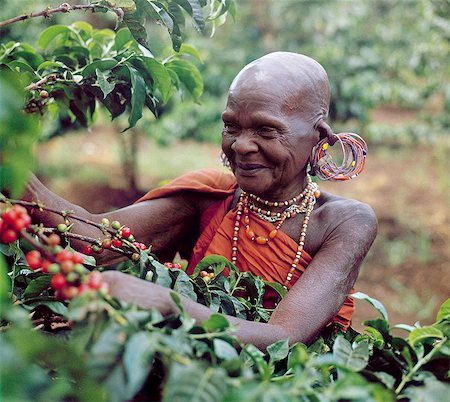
x,y
388,64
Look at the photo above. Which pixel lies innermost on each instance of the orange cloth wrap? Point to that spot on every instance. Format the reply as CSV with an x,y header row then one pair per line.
x,y
271,261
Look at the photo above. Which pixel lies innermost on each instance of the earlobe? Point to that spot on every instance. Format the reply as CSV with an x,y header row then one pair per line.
x,y
325,132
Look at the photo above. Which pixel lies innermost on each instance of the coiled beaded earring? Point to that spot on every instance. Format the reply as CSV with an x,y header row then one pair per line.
x,y
354,150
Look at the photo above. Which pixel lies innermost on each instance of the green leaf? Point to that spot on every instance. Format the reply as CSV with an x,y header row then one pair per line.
x,y
375,336
212,262
122,38
382,326
107,351
375,303
51,33
4,283
355,358
258,359
195,382
102,65
194,9
215,322
20,66
17,136
423,334
137,360
280,289
138,94
385,378
444,312
106,86
37,286
224,350
176,13
189,75
48,67
432,391
191,50
278,350
161,274
134,23
56,306
160,76
183,284
165,18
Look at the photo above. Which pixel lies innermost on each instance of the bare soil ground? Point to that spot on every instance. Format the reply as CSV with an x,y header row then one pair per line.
x,y
408,266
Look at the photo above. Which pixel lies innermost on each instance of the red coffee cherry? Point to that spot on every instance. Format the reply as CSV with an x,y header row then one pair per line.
x,y
69,292
58,281
64,255
9,236
77,258
54,240
83,288
116,243
67,266
34,259
106,243
45,266
95,280
126,232
10,216
88,250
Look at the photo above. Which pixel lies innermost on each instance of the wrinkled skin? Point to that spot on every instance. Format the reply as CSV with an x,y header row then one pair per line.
x,y
276,106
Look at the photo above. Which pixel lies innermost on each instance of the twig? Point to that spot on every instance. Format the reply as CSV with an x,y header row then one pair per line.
x,y
64,214
45,80
424,360
38,246
86,239
63,8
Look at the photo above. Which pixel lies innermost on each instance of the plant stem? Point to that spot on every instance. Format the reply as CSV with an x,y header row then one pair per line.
x,y
38,246
64,214
86,239
424,360
63,8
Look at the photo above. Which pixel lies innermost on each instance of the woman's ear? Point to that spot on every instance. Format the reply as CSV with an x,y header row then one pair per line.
x,y
325,132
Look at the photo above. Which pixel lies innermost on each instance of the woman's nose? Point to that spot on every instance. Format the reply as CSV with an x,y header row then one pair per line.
x,y
244,144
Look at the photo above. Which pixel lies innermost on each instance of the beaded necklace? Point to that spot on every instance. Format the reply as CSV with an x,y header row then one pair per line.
x,y
245,206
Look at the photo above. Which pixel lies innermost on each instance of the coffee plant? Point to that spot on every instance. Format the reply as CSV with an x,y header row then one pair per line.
x,y
71,340
63,337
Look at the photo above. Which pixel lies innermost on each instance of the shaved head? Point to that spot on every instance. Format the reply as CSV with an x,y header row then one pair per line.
x,y
298,82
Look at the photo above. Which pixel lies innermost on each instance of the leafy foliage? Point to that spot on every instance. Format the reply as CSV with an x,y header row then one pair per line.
x,y
131,353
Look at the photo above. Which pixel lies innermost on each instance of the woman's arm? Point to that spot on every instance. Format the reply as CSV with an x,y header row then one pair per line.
x,y
310,304
160,222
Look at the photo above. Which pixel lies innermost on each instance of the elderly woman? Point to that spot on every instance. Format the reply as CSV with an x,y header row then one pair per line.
x,y
267,218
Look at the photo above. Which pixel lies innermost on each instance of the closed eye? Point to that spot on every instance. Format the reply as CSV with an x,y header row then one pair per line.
x,y
231,128
268,131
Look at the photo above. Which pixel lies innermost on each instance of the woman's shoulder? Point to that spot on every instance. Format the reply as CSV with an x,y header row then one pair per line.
x,y
341,213
209,182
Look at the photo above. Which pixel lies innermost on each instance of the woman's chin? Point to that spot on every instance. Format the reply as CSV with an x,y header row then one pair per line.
x,y
252,184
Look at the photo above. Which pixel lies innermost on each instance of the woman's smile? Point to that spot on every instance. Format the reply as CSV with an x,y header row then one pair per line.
x,y
249,169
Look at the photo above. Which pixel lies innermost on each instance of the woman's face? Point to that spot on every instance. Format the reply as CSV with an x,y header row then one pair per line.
x,y
267,144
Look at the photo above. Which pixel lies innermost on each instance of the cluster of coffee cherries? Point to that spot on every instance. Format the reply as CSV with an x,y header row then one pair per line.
x,y
176,265
207,276
12,221
70,277
121,238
